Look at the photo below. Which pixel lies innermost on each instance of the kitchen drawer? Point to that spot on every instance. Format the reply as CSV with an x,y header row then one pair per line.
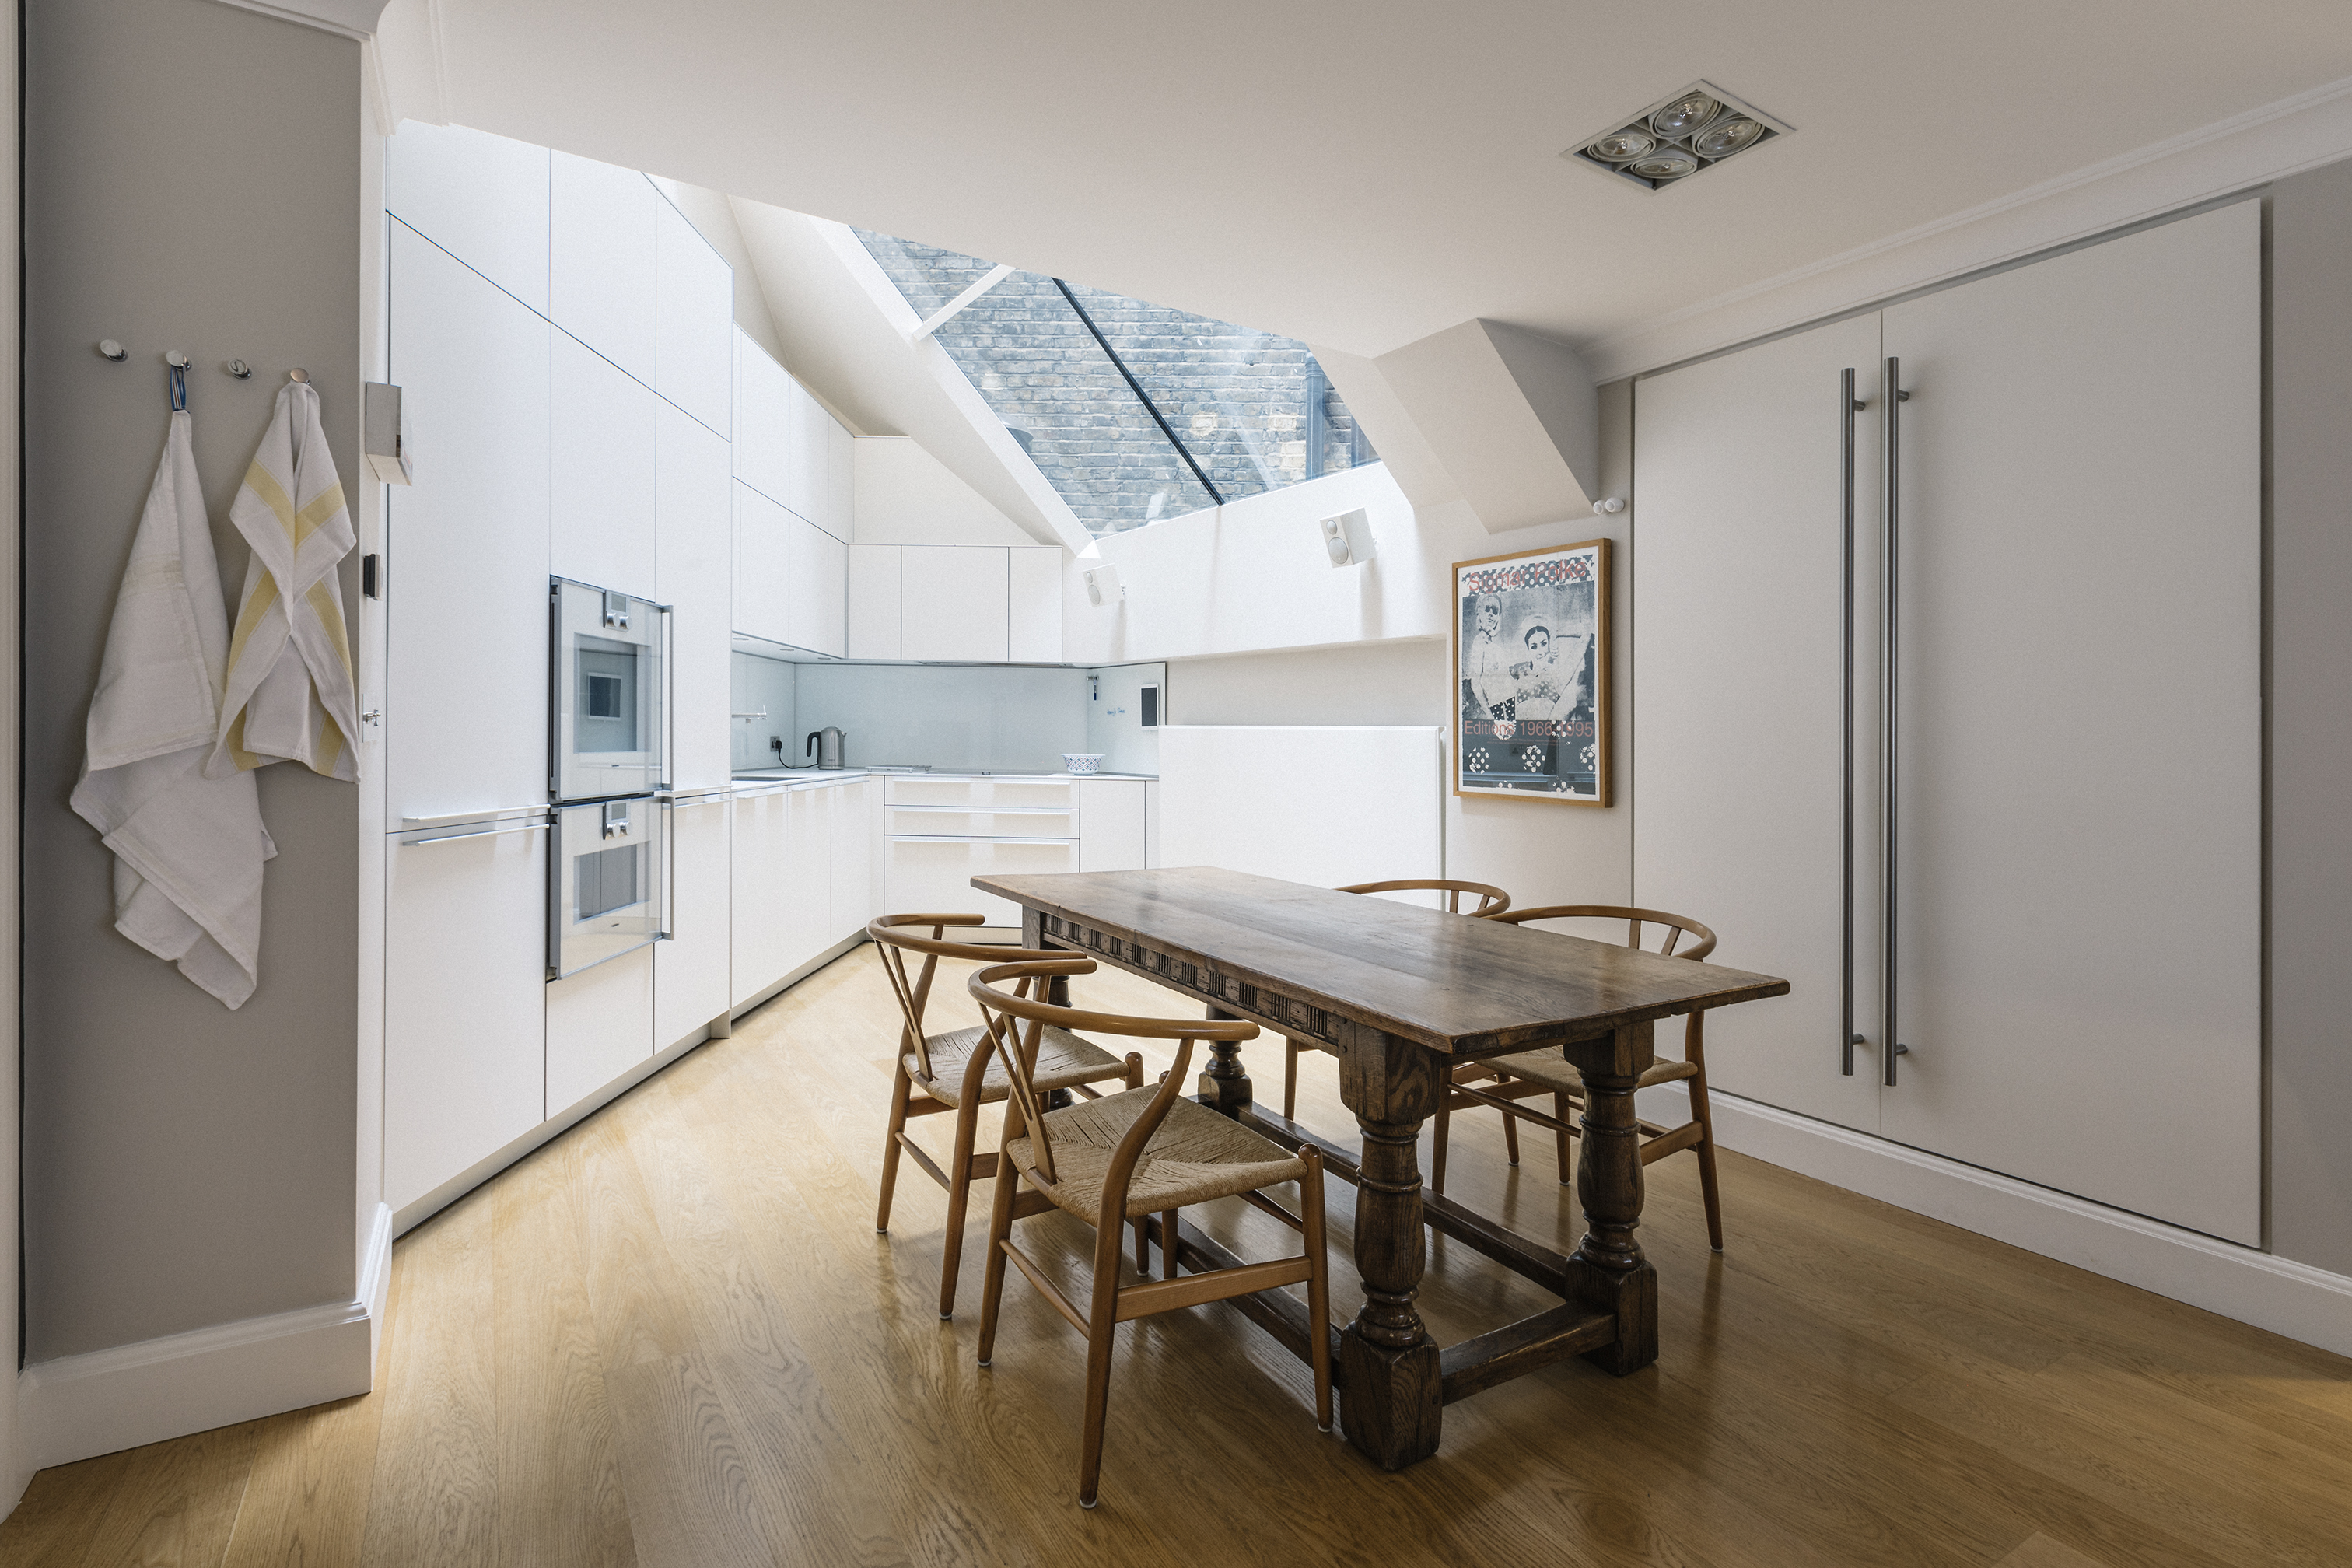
x,y
933,876
995,791
983,822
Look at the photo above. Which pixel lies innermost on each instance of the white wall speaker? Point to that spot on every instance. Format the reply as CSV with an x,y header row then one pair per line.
x,y
1347,538
1102,584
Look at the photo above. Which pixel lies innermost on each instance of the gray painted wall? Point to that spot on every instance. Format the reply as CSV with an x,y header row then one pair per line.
x,y
192,174
2310,850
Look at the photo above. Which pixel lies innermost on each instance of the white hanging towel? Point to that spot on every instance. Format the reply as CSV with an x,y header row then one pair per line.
x,y
188,849
290,695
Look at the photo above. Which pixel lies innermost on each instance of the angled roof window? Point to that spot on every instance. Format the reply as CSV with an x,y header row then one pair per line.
x,y
1133,411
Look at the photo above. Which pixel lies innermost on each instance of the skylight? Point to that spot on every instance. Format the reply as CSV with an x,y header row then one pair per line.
x,y
1133,411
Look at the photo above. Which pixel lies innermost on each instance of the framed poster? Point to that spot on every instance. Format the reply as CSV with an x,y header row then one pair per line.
x,y
1531,675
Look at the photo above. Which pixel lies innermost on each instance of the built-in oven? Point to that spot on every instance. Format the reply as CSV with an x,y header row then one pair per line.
x,y
607,893
608,731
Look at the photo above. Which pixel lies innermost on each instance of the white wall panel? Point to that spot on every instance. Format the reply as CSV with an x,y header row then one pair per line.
x,y
694,321
601,261
1110,825
480,197
1325,806
603,439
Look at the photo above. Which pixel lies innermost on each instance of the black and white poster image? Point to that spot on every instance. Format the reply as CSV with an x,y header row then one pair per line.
x,y
1531,675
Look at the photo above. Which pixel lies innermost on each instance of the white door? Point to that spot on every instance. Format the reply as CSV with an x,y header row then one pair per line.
x,y
463,993
600,1023
955,602
1739,717
480,197
805,891
873,601
601,265
763,422
759,940
693,536
465,546
601,471
694,320
2079,801
766,582
691,968
1110,825
1033,632
857,858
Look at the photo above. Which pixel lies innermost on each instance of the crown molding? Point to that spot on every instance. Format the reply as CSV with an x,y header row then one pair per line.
x,y
351,18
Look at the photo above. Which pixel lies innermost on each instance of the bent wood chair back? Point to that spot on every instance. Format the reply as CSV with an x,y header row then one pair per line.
x,y
1491,902
896,936
1165,1152
1508,1080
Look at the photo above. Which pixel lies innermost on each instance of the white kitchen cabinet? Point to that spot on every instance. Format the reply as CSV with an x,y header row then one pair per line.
x,y
819,588
805,890
873,601
466,547
481,198
1110,825
694,540
691,968
601,263
694,320
986,790
838,515
759,937
763,422
1151,824
811,430
764,576
955,605
463,994
600,1023
601,471
856,858
1034,610
933,876
983,821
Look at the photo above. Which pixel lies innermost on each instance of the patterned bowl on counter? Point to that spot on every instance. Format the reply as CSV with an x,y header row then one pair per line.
x,y
1081,762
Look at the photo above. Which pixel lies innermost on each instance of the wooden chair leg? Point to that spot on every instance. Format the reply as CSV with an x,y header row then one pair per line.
x,y
1560,1113
1168,1245
901,1087
1134,1069
1142,1247
1511,1124
967,1129
1000,1228
1319,1284
1706,1186
1290,1081
1102,1333
1438,1133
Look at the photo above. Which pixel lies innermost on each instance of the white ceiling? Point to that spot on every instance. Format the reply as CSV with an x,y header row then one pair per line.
x,y
1363,174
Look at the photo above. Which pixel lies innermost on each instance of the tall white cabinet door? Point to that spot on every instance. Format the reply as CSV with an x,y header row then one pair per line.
x,y
1110,825
694,542
464,989
955,602
694,320
1739,733
806,890
1034,633
763,422
838,515
760,936
466,552
601,471
812,428
600,1023
764,580
480,197
819,588
2080,806
691,968
601,263
856,858
873,601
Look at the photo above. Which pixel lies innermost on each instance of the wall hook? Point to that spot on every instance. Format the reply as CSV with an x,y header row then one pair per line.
x,y
175,359
238,368
297,374
109,349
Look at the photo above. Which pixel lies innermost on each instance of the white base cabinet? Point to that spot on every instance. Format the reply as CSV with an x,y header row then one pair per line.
x,y
1110,825
691,968
600,1023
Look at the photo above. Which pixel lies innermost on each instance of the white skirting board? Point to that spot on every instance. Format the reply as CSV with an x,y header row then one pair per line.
x,y
2274,1293
80,1406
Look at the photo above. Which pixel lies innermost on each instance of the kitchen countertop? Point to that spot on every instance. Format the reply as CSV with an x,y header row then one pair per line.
x,y
813,776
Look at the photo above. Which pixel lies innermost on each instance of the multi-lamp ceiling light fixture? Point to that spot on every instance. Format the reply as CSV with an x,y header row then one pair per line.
x,y
1677,136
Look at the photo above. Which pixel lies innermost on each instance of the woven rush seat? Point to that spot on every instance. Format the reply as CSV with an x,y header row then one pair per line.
x,y
1195,1155
1064,1061
1550,1069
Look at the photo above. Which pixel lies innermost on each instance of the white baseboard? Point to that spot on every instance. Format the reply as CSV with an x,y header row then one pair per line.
x,y
77,1407
2253,1287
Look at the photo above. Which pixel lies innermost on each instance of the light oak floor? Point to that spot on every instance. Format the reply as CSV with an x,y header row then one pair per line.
x,y
673,1337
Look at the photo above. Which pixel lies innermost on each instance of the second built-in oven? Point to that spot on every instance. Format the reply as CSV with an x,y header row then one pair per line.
x,y
607,891
607,728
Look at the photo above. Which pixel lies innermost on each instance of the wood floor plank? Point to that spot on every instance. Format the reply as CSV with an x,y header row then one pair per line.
x,y
59,1515
175,1504
307,1502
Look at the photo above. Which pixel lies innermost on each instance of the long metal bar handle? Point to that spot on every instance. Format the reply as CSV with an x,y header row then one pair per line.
x,y
1889,689
1848,406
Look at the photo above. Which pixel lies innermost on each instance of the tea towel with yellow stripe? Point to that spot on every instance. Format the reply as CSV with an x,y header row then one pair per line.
x,y
290,694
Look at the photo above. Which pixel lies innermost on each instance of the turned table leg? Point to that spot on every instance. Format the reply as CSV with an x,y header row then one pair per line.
x,y
1389,1400
1222,1084
1607,1271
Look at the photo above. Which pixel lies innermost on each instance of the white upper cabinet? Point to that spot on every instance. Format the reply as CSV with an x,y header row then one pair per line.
x,y
763,423
481,198
694,320
465,546
955,602
693,546
873,601
601,472
1035,634
819,589
811,428
601,261
764,580
835,514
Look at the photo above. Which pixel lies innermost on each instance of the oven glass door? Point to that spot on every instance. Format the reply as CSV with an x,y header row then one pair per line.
x,y
608,888
609,725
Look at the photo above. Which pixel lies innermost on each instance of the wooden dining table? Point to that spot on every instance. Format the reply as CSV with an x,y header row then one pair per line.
x,y
1400,994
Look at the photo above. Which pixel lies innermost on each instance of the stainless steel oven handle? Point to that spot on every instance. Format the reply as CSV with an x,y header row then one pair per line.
x,y
1889,673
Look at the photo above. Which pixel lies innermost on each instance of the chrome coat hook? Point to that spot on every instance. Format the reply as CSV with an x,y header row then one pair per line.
x,y
109,349
238,368
175,359
297,374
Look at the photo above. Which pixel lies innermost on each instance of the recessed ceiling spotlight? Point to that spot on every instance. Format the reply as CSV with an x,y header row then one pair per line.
x,y
1678,136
